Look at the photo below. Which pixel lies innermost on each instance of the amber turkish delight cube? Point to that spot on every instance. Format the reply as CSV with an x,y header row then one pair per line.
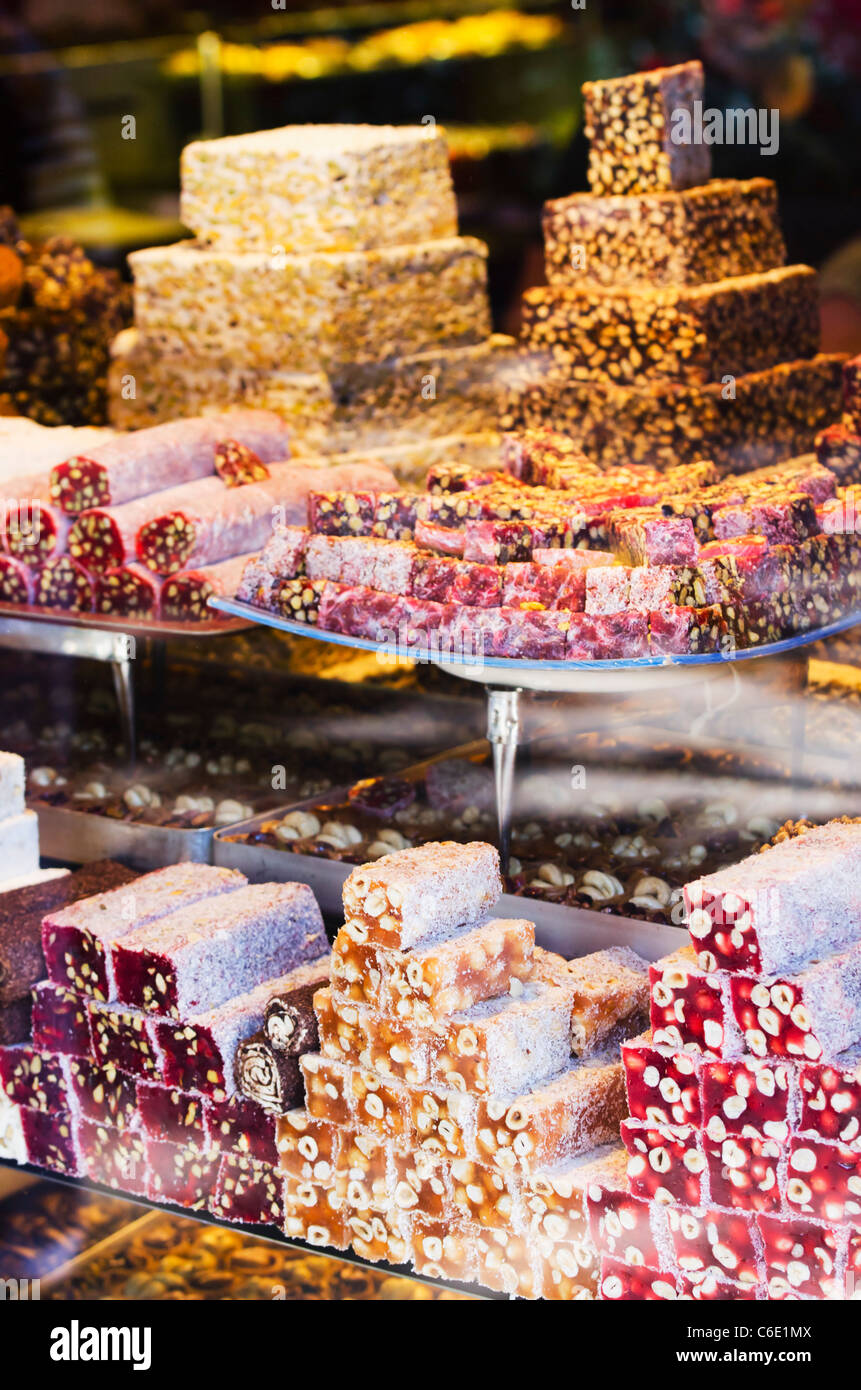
x,y
610,995
504,1046
422,1183
328,1089
443,1122
308,1149
314,1212
443,1248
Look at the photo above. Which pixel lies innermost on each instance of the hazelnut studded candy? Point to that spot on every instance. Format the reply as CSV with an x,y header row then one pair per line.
x,y
690,1008
831,1098
630,124
662,1085
377,1235
503,1046
328,1089
381,1106
444,1249
307,1148
619,1282
364,1161
443,1122
712,1290
745,1171
665,1162
609,991
423,1183
808,1016
568,1269
715,1244
489,1198
508,1262
315,1212
748,1095
554,1197
801,1257
824,1179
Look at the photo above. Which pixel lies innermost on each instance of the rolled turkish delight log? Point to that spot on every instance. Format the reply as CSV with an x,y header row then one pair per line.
x,y
198,1052
422,895
185,596
289,1021
131,465
33,527
63,583
22,962
129,592
268,1076
76,939
200,956
778,910
17,581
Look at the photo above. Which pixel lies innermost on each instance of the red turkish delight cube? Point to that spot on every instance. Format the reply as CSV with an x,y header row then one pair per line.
x,y
478,585
852,1277
607,636
747,1095
665,1162
529,635
167,1113
689,1007
59,1020
679,631
716,1244
746,1171
241,1126
361,612
32,1078
433,575
824,1179
743,567
248,1191
623,1226
99,1093
180,1174
831,1098
711,1290
806,1016
800,1257
662,1084
498,542
620,1282
123,1038
779,520
608,589
551,586
641,537
114,1157
50,1141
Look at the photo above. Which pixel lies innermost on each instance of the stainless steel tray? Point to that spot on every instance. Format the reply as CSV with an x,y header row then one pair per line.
x,y
572,931
78,836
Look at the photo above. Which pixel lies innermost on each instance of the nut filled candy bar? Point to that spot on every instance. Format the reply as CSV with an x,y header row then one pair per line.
x,y
198,1052
838,448
381,1105
378,1236
800,1257
241,1126
662,1084
31,527
182,1175
340,1029
715,1244
779,520
75,939
422,1183
267,1076
103,1094
722,228
630,123
315,1212
328,1089
568,1270
185,596
831,1098
665,1163
49,1140
63,583
202,955
167,1113
813,1015
553,1198
150,460
308,1149
282,557
302,599
775,911
642,537
852,391
59,1020
747,1094
620,1224
248,1191
123,1038
690,1007
485,1196
32,1078
508,1262
558,1120
443,1248
441,1122
744,1170
610,994
366,1160
823,1179
16,581
111,1156
128,592
681,631
503,1046
422,895
389,1046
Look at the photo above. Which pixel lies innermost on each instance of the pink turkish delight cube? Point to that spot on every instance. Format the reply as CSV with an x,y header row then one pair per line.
x,y
745,1171
123,1038
530,635
608,636
478,585
241,1126
50,1141
665,1162
551,586
167,1113
662,1084
800,1257
433,575
715,1244
608,589
685,631
653,540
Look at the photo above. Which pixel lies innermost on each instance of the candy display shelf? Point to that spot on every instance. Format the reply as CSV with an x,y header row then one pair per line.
x,y
504,678
270,1234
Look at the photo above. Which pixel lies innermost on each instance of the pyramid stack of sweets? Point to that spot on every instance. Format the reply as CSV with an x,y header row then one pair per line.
x,y
128,1077
333,248
744,1168
465,1085
670,327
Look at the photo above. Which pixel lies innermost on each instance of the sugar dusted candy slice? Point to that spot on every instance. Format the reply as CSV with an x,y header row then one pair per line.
x,y
745,1171
665,1162
114,1157
248,1191
49,1140
504,1046
394,1047
747,1094
76,940
631,128
167,1113
123,1038
422,895
103,1094
198,1052
59,1020
824,1179
328,1089
712,1290
180,1174
662,1085
801,1257
620,1282
809,1016
690,1007
378,1235
270,1078
315,1212
202,955
12,1143
443,1248
423,1183
610,994
831,1098
778,910
714,1243
308,1149
380,1105
560,1119
241,1126
32,1078
442,1122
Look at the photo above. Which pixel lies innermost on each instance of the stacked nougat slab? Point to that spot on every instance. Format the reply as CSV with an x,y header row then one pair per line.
x,y
327,280
447,1122
744,1167
128,1076
670,327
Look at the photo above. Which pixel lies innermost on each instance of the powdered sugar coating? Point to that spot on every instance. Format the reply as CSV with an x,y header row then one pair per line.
x,y
422,895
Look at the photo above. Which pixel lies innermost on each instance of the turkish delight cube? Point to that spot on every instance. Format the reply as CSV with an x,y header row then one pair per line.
x,y
831,1098
529,634
485,1196
123,1038
49,1140
662,1084
509,1262
180,1174
808,1016
560,1119
442,1122
620,1282
443,1248
167,1113
609,993
568,1269
433,575
711,1290
800,1257
503,1046
477,585
690,1007
480,964
380,1105
103,1094
314,1212
308,1149
824,1179
339,1029
365,1168
744,1095
630,124
607,636
395,1047
424,894
240,1126
33,1078
377,1235
341,513
681,631
639,539
715,1244
526,583
423,1183
777,910
665,1162
608,589
745,1170
114,1157
248,1191
59,1020
626,1227
395,517
554,1198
